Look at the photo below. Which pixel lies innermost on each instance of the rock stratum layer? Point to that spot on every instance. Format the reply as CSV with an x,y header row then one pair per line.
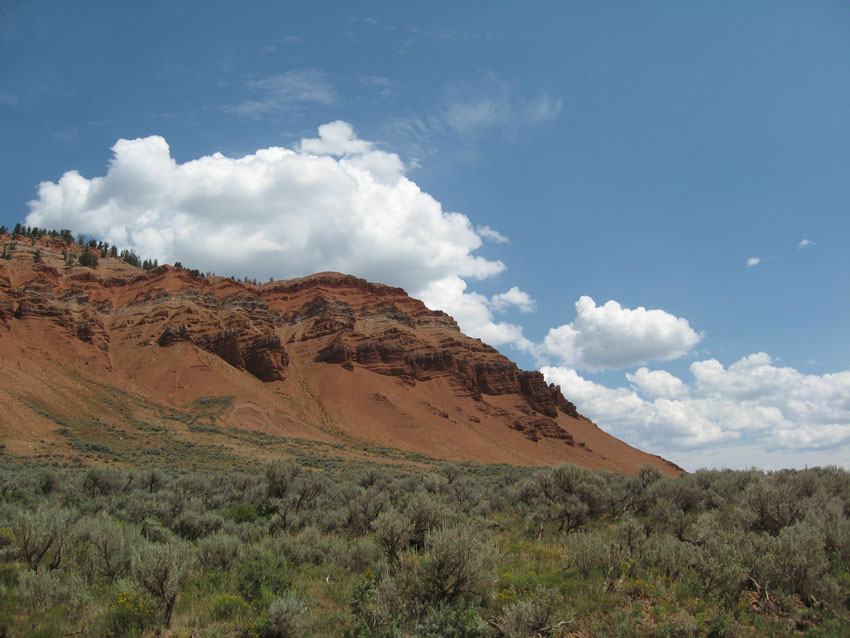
x,y
330,358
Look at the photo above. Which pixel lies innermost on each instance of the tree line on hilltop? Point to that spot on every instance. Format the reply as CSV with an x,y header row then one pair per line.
x,y
89,251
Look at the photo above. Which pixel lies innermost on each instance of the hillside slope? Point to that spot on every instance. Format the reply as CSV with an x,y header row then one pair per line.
x,y
114,361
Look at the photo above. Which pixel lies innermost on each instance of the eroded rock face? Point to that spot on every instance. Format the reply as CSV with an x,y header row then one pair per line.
x,y
7,296
159,308
43,298
351,322
567,407
327,318
535,426
171,335
266,358
248,341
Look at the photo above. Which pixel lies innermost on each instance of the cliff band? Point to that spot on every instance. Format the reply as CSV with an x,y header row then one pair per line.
x,y
329,357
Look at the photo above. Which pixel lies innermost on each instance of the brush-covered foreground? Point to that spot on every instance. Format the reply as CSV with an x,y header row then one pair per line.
x,y
295,549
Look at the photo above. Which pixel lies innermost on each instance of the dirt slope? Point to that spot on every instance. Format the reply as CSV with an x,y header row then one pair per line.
x,y
125,365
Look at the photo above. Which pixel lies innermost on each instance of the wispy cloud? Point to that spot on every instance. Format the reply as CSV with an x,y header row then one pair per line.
x,y
491,234
805,242
446,35
9,99
376,80
281,92
383,85
452,35
753,261
286,40
467,115
470,117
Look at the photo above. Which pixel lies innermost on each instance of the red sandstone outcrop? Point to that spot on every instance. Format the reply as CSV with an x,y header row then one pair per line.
x,y
325,345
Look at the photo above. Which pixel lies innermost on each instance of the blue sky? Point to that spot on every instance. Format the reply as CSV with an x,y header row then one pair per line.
x,y
519,167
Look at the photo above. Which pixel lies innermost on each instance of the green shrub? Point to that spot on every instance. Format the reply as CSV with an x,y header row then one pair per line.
x,y
361,554
310,547
774,503
364,507
229,607
793,562
393,531
682,626
287,618
586,551
193,525
669,556
43,536
245,512
719,565
217,551
527,617
107,546
459,565
160,569
101,481
445,621
290,490
153,531
373,613
39,592
425,512
128,615
262,575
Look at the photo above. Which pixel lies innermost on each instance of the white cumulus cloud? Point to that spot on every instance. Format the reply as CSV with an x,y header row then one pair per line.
x,y
334,203
753,261
513,297
474,312
737,416
657,384
613,337
805,243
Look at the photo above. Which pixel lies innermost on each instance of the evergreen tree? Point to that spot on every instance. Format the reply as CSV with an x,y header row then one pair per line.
x,y
130,257
88,259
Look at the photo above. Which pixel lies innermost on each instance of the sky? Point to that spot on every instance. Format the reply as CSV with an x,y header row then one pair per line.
x,y
648,201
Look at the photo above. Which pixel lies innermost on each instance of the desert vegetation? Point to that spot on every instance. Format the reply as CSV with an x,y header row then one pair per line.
x,y
450,550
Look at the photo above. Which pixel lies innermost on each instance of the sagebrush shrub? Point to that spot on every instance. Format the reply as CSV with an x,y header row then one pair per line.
x,y
527,617
287,618
160,569
459,565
